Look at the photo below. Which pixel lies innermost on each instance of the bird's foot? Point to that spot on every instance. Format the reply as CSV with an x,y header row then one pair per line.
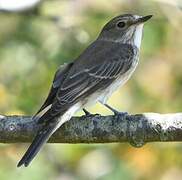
x,y
87,113
116,112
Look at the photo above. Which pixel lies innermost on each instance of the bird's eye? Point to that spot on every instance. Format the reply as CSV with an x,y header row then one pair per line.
x,y
121,24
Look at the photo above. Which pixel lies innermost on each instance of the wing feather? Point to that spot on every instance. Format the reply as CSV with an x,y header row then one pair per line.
x,y
87,81
85,78
58,79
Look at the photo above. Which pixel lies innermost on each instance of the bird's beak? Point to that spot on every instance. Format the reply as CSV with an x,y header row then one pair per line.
x,y
141,20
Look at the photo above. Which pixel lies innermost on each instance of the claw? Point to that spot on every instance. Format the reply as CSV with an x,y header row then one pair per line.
x,y
115,111
87,113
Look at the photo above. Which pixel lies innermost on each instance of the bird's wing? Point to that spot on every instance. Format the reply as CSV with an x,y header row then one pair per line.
x,y
58,79
83,81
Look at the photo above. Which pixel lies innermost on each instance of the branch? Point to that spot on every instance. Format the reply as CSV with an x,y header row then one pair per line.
x,y
136,129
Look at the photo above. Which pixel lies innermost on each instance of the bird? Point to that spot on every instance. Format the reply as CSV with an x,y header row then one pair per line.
x,y
104,66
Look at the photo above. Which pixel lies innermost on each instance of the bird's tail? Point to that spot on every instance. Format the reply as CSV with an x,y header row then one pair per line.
x,y
40,139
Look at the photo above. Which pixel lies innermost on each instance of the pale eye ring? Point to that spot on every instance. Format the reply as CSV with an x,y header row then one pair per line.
x,y
121,24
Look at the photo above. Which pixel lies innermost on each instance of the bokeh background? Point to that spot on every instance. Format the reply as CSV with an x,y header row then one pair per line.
x,y
34,42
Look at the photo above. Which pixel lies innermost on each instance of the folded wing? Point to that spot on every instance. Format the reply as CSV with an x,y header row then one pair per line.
x,y
80,83
58,79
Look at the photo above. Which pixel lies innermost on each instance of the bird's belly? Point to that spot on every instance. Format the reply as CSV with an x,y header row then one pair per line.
x,y
113,87
103,95
106,93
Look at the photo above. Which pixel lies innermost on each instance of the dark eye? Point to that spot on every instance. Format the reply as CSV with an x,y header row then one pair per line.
x,y
121,24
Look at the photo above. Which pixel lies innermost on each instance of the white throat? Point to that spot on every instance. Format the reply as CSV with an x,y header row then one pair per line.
x,y
138,35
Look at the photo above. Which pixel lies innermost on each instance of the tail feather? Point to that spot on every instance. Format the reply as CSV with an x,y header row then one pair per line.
x,y
51,124
40,139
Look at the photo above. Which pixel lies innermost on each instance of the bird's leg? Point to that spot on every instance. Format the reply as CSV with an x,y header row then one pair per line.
x,y
114,110
87,113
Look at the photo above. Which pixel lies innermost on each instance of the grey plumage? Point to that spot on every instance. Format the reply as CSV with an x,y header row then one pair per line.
x,y
86,78
105,65
58,79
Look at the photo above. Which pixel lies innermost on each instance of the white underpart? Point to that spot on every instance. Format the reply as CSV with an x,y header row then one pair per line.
x,y
117,83
138,35
67,115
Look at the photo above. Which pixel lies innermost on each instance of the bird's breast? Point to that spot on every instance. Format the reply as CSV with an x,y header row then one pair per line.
x,y
120,81
103,95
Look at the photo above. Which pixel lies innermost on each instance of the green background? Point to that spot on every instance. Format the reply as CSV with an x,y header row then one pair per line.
x,y
33,46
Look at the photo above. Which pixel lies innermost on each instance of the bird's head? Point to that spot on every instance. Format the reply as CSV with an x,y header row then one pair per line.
x,y
125,28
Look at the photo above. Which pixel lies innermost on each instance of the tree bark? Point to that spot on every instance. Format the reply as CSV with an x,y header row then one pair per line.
x,y
136,129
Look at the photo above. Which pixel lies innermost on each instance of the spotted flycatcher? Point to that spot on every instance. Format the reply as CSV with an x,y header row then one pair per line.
x,y
105,65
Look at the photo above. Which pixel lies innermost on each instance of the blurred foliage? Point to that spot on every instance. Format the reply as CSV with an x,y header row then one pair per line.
x,y
33,46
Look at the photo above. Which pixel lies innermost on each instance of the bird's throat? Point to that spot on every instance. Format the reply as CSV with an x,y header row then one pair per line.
x,y
138,36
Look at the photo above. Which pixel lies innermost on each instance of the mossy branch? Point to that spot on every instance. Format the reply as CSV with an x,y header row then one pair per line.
x,y
136,129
